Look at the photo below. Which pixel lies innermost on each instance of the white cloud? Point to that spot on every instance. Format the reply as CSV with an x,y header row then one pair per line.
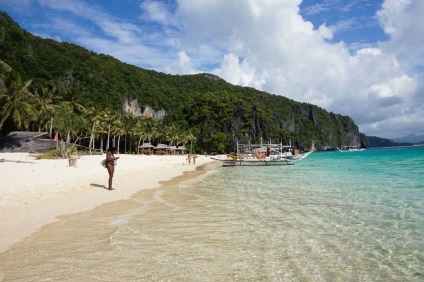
x,y
402,21
122,31
58,25
156,11
236,72
184,63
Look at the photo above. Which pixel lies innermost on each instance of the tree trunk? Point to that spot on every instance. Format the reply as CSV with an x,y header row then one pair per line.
x,y
108,137
119,141
101,142
138,147
51,127
3,120
92,137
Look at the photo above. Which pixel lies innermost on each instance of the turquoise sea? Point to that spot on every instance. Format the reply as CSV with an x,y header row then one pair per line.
x,y
354,216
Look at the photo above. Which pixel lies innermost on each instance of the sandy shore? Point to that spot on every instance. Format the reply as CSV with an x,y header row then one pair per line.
x,y
34,192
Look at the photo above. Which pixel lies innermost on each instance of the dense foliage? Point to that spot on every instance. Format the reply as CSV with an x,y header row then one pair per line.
x,y
83,95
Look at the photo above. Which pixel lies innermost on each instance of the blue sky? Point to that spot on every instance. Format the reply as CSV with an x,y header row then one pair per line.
x,y
361,58
354,22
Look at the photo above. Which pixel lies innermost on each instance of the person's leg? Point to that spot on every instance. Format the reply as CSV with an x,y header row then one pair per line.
x,y
110,170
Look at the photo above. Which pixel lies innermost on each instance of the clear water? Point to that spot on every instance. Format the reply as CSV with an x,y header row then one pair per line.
x,y
355,216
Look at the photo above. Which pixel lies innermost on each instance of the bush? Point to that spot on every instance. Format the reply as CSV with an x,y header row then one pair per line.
x,y
53,154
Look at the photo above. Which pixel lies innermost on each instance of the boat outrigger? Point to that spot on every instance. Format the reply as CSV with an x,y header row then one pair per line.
x,y
350,149
263,155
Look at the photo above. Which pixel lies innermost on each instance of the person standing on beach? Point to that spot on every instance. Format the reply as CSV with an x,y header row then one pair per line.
x,y
110,164
189,158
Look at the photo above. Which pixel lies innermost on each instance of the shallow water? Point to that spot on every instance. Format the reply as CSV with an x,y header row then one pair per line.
x,y
354,216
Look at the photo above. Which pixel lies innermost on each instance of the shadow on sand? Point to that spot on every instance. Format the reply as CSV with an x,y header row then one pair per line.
x,y
99,186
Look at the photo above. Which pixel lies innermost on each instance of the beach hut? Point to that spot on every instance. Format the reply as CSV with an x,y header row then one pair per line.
x,y
181,150
173,150
161,149
146,149
26,142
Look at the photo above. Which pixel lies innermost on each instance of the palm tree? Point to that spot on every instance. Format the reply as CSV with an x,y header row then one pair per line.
x,y
118,130
73,97
109,118
45,104
67,121
16,100
128,122
162,130
153,128
175,134
105,117
188,137
5,67
91,115
139,130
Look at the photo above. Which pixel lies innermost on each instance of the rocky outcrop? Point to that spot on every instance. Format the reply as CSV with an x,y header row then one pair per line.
x,y
133,108
332,130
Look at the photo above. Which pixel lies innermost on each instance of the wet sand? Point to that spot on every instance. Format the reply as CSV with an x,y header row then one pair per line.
x,y
34,193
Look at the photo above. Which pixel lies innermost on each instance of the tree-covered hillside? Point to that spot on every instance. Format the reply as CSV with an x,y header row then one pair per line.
x,y
375,142
212,112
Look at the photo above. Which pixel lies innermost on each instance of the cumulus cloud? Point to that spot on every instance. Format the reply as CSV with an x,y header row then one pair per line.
x,y
403,22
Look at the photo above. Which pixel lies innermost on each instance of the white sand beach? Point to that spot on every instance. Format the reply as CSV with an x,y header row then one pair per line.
x,y
34,192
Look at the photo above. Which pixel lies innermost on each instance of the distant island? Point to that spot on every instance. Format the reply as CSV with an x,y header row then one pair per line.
x,y
412,138
409,140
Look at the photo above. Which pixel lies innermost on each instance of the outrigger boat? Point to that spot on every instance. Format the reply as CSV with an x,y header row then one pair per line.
x,y
260,155
299,157
350,149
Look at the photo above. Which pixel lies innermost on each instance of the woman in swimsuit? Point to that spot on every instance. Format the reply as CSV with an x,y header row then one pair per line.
x,y
110,164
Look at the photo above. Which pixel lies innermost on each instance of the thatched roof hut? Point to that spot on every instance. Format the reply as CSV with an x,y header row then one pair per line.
x,y
174,150
161,149
181,150
27,142
146,149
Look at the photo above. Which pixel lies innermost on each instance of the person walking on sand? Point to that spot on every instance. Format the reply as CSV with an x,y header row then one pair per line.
x,y
194,159
110,164
189,158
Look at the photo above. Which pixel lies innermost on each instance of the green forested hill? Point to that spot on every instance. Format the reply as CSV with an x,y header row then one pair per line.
x,y
216,113
375,142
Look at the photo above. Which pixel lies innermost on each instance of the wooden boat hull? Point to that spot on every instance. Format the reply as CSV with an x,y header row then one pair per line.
x,y
299,157
243,162
233,157
263,155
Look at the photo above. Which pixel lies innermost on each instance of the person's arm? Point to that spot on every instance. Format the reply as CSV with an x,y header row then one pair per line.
x,y
109,157
112,157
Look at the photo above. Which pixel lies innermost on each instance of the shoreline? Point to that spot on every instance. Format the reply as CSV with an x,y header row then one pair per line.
x,y
34,193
